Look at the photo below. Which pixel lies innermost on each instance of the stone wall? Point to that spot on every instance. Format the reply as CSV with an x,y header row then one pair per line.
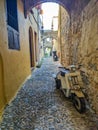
x,y
88,55
80,46
63,31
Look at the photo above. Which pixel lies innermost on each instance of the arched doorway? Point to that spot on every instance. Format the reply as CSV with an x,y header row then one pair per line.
x,y
2,94
32,63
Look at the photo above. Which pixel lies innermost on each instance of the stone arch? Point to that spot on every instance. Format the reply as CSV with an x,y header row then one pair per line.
x,y
53,37
31,47
63,3
45,37
2,89
29,4
69,5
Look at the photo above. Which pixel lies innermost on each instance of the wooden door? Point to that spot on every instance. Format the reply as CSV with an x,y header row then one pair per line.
x,y
31,47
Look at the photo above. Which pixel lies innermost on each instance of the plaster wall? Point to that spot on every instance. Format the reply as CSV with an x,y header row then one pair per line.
x,y
16,64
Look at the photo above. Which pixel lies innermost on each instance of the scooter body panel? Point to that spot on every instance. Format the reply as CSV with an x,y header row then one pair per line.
x,y
66,86
78,93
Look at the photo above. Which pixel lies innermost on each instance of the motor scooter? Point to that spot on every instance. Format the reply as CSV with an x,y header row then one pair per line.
x,y
70,82
55,57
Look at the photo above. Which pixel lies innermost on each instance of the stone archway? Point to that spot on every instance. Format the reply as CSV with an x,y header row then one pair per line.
x,y
49,37
28,5
2,93
69,5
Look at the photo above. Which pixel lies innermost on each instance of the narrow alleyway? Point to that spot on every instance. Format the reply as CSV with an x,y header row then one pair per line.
x,y
39,106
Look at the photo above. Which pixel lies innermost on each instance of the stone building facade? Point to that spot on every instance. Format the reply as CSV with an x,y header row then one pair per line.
x,y
19,47
78,41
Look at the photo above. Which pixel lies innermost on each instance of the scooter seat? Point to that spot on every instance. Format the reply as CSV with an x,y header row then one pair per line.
x,y
63,72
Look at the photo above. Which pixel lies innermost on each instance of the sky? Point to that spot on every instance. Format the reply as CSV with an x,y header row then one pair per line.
x,y
50,10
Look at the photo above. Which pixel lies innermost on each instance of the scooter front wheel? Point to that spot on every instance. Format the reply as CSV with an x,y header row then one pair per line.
x,y
79,103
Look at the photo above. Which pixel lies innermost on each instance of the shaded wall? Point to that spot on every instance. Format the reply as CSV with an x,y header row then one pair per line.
x,y
63,36
80,46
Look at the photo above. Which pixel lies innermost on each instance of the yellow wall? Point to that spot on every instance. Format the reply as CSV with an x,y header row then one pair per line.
x,y
2,96
16,64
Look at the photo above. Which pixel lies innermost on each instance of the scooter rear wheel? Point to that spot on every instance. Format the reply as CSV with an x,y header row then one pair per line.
x,y
58,83
79,103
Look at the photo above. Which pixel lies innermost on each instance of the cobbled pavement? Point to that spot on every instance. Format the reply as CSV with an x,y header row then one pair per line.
x,y
40,106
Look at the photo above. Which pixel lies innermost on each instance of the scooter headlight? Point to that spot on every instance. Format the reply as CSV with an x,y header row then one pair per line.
x,y
75,87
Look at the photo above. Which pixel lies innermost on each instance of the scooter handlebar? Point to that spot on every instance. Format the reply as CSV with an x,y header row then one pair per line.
x,y
63,68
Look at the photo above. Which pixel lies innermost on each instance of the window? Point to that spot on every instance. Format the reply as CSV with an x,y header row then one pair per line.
x,y
12,22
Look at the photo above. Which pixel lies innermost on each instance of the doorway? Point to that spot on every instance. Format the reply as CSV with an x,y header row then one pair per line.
x,y
31,45
35,39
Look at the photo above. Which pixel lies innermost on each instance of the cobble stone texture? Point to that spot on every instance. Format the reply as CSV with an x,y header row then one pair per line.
x,y
40,106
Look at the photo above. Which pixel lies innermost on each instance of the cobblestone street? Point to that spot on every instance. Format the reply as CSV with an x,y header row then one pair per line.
x,y
40,106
